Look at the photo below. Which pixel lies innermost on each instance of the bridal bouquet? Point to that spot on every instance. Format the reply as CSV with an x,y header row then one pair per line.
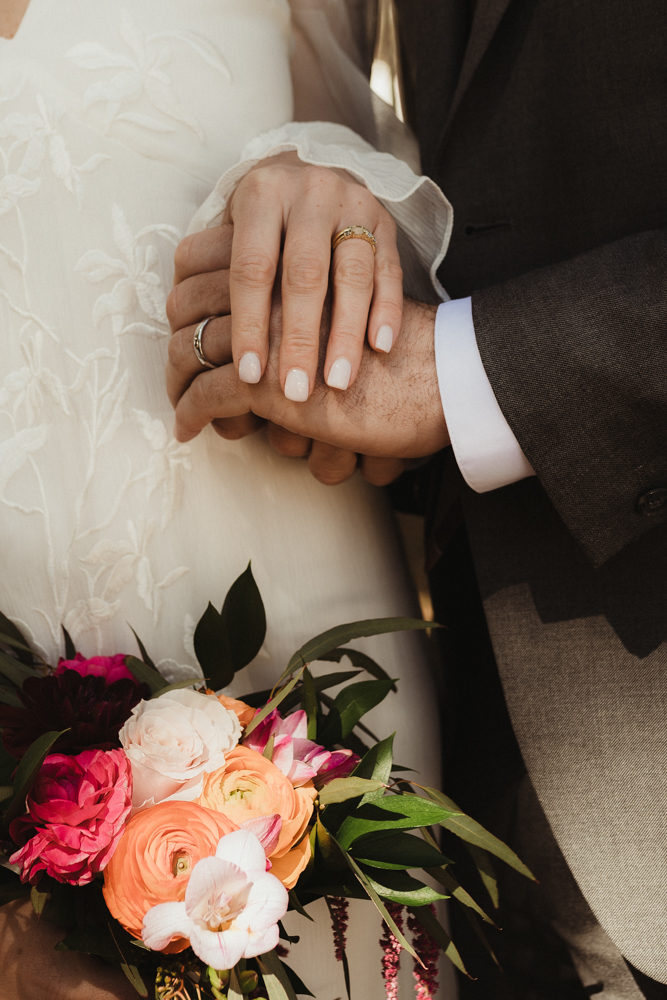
x,y
169,829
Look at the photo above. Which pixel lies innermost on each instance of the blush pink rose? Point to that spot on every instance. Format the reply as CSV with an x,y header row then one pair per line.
x,y
76,813
112,668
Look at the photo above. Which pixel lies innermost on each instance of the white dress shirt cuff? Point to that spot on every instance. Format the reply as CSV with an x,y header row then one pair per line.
x,y
486,450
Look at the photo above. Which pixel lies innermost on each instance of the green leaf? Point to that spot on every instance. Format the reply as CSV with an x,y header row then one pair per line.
x,y
8,628
9,640
269,707
376,764
38,900
145,674
275,977
296,904
133,974
297,983
177,686
349,706
319,683
437,932
27,771
393,812
384,913
479,933
448,882
341,789
399,887
474,833
268,749
212,649
142,649
244,620
398,850
234,989
70,648
14,670
484,866
8,696
309,703
357,659
327,641
6,791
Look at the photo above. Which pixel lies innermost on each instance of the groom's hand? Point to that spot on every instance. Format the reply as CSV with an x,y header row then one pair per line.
x,y
392,411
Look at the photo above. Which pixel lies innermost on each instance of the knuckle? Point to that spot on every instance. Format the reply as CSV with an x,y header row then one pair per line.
x,y
173,306
253,269
315,177
390,270
354,270
175,351
182,254
303,273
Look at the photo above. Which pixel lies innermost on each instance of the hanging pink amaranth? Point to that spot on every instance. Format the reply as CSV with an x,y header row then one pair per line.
x,y
338,908
426,978
391,947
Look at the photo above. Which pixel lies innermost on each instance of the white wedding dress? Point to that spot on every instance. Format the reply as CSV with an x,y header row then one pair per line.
x,y
116,124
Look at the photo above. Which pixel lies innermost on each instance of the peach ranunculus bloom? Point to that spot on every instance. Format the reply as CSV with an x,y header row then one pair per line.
x,y
154,858
249,786
245,713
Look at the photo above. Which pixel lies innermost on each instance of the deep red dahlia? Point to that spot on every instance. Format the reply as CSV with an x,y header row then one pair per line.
x,y
91,709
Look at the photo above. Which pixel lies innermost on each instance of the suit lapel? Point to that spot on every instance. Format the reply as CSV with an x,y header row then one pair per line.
x,y
487,17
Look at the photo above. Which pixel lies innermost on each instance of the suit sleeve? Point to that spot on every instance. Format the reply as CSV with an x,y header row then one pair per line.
x,y
576,354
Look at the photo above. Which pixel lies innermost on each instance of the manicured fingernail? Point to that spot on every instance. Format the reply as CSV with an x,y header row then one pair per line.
x,y
250,369
384,339
296,385
339,374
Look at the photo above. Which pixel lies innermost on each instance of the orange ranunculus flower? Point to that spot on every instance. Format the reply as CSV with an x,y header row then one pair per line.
x,y
249,786
243,712
154,858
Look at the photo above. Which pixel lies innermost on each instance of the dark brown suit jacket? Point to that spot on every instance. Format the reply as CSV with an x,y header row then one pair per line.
x,y
545,124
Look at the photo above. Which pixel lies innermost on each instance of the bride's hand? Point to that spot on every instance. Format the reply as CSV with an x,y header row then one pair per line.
x,y
32,969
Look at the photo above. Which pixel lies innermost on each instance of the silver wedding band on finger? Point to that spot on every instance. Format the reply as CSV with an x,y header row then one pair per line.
x,y
197,343
354,233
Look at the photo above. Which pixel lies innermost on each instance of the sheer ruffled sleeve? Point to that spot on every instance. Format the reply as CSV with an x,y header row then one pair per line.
x,y
343,124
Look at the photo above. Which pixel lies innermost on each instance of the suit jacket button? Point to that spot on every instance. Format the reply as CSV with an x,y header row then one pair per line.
x,y
653,501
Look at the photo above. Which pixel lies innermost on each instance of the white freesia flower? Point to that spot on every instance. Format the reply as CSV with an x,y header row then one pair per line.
x,y
172,741
232,906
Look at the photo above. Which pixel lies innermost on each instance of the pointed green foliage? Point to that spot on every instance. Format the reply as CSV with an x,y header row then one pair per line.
x,y
397,850
142,649
244,619
269,707
8,696
320,684
342,789
327,641
298,984
234,991
38,900
399,887
275,977
309,702
296,905
268,749
349,706
448,882
212,649
379,905
27,771
9,632
486,871
481,936
70,648
133,974
357,659
474,833
437,932
392,812
376,764
146,675
14,670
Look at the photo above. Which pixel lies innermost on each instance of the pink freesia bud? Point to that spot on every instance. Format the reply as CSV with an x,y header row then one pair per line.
x,y
300,759
267,830
112,668
340,764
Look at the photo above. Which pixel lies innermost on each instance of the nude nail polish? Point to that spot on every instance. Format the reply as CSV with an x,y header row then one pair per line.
x,y
250,368
384,339
296,385
339,374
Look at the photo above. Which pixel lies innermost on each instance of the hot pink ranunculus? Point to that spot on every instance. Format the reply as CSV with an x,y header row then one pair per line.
x,y
76,813
300,759
112,668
